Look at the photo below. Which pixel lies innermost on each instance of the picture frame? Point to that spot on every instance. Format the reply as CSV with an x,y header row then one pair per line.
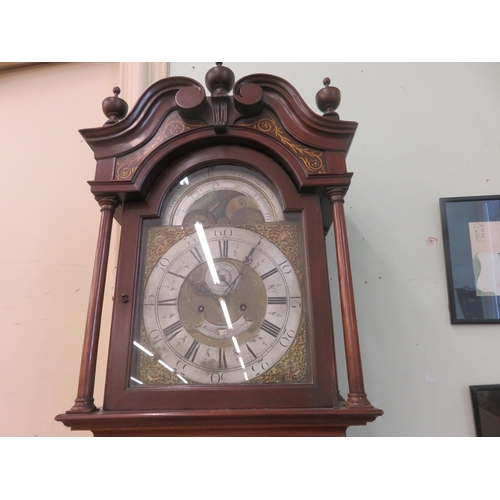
x,y
486,409
471,238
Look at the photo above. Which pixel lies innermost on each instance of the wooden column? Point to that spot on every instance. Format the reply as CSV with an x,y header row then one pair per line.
x,y
357,395
84,402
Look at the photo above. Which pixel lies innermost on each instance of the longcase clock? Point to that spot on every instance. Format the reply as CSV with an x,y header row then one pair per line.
x,y
222,321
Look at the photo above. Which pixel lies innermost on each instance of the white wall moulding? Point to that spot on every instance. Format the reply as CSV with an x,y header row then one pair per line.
x,y
8,66
136,77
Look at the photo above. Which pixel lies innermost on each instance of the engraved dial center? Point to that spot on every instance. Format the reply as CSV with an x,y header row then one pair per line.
x,y
243,292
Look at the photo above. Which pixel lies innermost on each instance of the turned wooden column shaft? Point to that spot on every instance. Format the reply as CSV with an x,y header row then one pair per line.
x,y
84,402
357,395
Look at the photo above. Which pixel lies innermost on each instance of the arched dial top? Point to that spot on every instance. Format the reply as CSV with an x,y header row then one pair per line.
x,y
222,195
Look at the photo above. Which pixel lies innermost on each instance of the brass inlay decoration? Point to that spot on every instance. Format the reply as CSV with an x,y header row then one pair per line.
x,y
150,371
292,368
161,239
128,164
311,158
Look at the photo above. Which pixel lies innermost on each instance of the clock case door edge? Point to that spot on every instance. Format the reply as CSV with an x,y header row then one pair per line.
x,y
322,392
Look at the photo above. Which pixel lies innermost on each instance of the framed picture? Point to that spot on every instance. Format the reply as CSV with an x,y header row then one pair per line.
x,y
486,408
471,236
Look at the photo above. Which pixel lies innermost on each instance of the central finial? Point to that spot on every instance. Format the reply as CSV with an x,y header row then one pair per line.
x,y
219,80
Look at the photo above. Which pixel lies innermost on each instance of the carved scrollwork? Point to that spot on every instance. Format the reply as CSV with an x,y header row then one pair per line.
x,y
248,99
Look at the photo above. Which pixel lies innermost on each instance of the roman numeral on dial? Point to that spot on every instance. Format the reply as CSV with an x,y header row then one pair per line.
x,y
270,328
195,252
167,302
178,275
222,359
276,300
223,248
192,351
251,352
269,273
172,330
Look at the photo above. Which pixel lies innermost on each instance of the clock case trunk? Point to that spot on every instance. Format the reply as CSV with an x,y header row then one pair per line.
x,y
175,129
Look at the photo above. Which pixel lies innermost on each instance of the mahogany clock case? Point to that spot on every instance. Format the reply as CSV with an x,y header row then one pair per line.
x,y
260,124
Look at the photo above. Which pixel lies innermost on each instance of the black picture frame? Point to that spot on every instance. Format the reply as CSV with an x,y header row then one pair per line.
x,y
486,409
469,224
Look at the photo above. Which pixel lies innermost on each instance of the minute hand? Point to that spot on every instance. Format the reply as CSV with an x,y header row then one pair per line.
x,y
246,261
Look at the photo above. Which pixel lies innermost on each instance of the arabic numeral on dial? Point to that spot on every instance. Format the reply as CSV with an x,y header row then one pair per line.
x,y
223,233
263,365
180,369
163,263
155,337
149,300
197,193
285,267
287,338
217,378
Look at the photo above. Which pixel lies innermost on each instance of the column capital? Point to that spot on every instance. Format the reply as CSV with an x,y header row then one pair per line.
x,y
336,193
108,202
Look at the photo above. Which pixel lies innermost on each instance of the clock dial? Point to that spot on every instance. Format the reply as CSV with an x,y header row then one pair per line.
x,y
227,326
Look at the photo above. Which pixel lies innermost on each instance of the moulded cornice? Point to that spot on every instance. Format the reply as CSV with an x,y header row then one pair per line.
x,y
160,99
280,89
142,122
